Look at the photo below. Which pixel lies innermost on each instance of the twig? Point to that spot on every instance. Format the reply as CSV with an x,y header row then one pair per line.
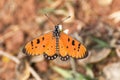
x,y
34,73
72,62
16,60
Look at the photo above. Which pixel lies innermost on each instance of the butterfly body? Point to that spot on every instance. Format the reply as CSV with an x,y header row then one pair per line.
x,y
54,44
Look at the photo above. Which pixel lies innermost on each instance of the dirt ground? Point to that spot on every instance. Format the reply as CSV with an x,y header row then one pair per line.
x,y
95,23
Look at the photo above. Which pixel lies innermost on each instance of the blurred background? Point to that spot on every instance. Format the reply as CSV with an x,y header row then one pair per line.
x,y
95,23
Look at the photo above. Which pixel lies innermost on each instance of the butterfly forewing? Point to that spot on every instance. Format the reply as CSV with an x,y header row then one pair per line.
x,y
41,45
71,47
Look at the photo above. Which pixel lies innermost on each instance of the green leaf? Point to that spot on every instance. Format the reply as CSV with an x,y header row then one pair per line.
x,y
100,42
62,72
69,75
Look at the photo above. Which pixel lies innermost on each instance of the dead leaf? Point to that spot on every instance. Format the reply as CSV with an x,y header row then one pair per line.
x,y
112,71
95,56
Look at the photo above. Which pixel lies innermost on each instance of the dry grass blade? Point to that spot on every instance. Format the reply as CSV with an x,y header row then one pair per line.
x,y
16,60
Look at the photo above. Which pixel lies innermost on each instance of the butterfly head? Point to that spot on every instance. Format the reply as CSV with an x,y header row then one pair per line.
x,y
58,29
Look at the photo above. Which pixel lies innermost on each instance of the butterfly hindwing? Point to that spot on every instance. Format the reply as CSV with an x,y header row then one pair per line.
x,y
41,45
51,48
71,47
50,51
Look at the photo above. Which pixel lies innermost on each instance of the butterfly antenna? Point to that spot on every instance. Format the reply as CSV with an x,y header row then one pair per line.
x,y
50,19
64,20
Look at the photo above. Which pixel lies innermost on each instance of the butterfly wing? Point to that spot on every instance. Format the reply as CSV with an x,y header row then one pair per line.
x,y
43,44
71,47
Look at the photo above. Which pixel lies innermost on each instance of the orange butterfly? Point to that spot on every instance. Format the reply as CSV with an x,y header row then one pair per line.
x,y
54,44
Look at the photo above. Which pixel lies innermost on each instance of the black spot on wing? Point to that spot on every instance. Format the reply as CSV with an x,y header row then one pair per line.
x,y
66,46
43,38
38,41
79,45
31,43
73,42
68,39
43,45
74,48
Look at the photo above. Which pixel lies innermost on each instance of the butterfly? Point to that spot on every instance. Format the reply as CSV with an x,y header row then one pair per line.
x,y
54,44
